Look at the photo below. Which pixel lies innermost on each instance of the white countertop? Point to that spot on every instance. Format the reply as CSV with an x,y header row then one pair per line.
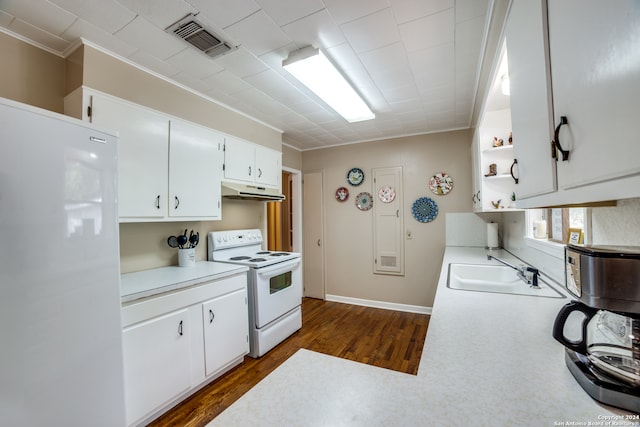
x,y
489,360
142,284
492,357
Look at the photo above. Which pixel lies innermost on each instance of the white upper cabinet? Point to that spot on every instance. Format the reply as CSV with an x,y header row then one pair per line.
x,y
250,163
143,153
595,70
530,96
575,60
195,170
168,169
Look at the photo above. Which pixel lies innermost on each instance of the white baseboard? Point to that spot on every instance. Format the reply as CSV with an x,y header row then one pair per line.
x,y
380,304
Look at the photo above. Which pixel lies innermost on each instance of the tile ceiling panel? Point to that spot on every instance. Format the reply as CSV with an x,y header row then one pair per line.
x,y
409,10
284,12
109,15
258,33
416,63
372,31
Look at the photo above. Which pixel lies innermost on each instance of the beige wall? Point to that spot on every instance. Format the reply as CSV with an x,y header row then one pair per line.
x,y
291,158
110,75
31,75
348,231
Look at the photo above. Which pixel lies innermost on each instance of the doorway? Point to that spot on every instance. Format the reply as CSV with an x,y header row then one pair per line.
x,y
284,219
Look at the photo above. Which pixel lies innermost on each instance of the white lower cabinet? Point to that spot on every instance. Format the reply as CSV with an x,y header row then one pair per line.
x,y
176,342
225,330
156,362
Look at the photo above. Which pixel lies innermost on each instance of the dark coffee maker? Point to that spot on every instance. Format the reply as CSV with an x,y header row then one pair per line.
x,y
605,360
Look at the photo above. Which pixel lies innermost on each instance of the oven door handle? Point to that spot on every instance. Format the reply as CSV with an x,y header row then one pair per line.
x,y
282,267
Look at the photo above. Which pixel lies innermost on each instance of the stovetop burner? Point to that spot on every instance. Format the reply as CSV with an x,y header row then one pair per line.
x,y
239,258
257,259
280,254
263,253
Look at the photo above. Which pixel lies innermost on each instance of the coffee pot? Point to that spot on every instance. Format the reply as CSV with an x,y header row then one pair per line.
x,y
610,341
605,357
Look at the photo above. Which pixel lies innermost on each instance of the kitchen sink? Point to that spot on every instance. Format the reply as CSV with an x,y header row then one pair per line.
x,y
495,278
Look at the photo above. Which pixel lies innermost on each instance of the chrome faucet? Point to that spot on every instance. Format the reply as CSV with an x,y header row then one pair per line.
x,y
527,274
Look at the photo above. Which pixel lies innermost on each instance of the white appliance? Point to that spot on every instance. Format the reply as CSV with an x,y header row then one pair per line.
x,y
61,358
275,285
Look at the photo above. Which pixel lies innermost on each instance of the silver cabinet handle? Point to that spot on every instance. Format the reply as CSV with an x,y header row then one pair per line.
x,y
249,170
180,328
259,173
211,316
158,202
177,202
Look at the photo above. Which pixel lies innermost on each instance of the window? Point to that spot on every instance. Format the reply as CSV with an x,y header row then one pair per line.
x,y
554,224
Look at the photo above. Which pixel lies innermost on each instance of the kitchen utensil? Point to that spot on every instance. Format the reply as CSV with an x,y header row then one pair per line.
x,y
182,240
172,241
194,239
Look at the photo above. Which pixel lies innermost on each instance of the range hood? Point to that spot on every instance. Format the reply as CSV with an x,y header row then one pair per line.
x,y
251,192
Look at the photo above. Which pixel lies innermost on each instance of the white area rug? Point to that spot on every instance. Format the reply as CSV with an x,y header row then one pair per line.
x,y
313,389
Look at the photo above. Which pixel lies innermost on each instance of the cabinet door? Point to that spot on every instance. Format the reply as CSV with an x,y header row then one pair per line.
x,y
531,104
268,167
239,160
226,329
157,366
595,75
143,151
195,170
476,171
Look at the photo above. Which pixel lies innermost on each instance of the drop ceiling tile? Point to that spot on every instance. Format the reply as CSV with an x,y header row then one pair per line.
x,y
468,9
276,86
372,31
388,66
428,31
161,13
345,11
408,10
284,12
148,37
226,82
96,35
37,35
469,35
109,15
403,93
195,63
258,33
41,14
433,67
189,81
242,63
152,63
317,29
224,13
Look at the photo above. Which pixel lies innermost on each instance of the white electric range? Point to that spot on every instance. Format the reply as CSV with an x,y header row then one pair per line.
x,y
275,285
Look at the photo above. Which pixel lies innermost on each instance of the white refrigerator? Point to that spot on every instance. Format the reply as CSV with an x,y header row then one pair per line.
x,y
60,331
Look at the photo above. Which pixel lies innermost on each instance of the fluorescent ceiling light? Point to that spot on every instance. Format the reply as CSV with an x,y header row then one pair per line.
x,y
315,71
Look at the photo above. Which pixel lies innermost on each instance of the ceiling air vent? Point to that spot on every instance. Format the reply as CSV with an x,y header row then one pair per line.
x,y
193,32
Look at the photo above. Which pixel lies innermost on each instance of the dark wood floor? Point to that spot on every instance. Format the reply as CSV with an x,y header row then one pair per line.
x,y
384,338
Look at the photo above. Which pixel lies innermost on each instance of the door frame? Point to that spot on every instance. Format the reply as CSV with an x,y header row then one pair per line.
x,y
296,207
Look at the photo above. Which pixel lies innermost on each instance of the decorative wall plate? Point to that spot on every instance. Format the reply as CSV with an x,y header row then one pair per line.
x,y
387,194
424,209
441,183
355,176
364,201
342,194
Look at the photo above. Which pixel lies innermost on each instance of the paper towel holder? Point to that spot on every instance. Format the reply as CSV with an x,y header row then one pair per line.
x,y
493,240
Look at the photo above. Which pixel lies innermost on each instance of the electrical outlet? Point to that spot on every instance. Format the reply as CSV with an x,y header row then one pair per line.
x,y
409,235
